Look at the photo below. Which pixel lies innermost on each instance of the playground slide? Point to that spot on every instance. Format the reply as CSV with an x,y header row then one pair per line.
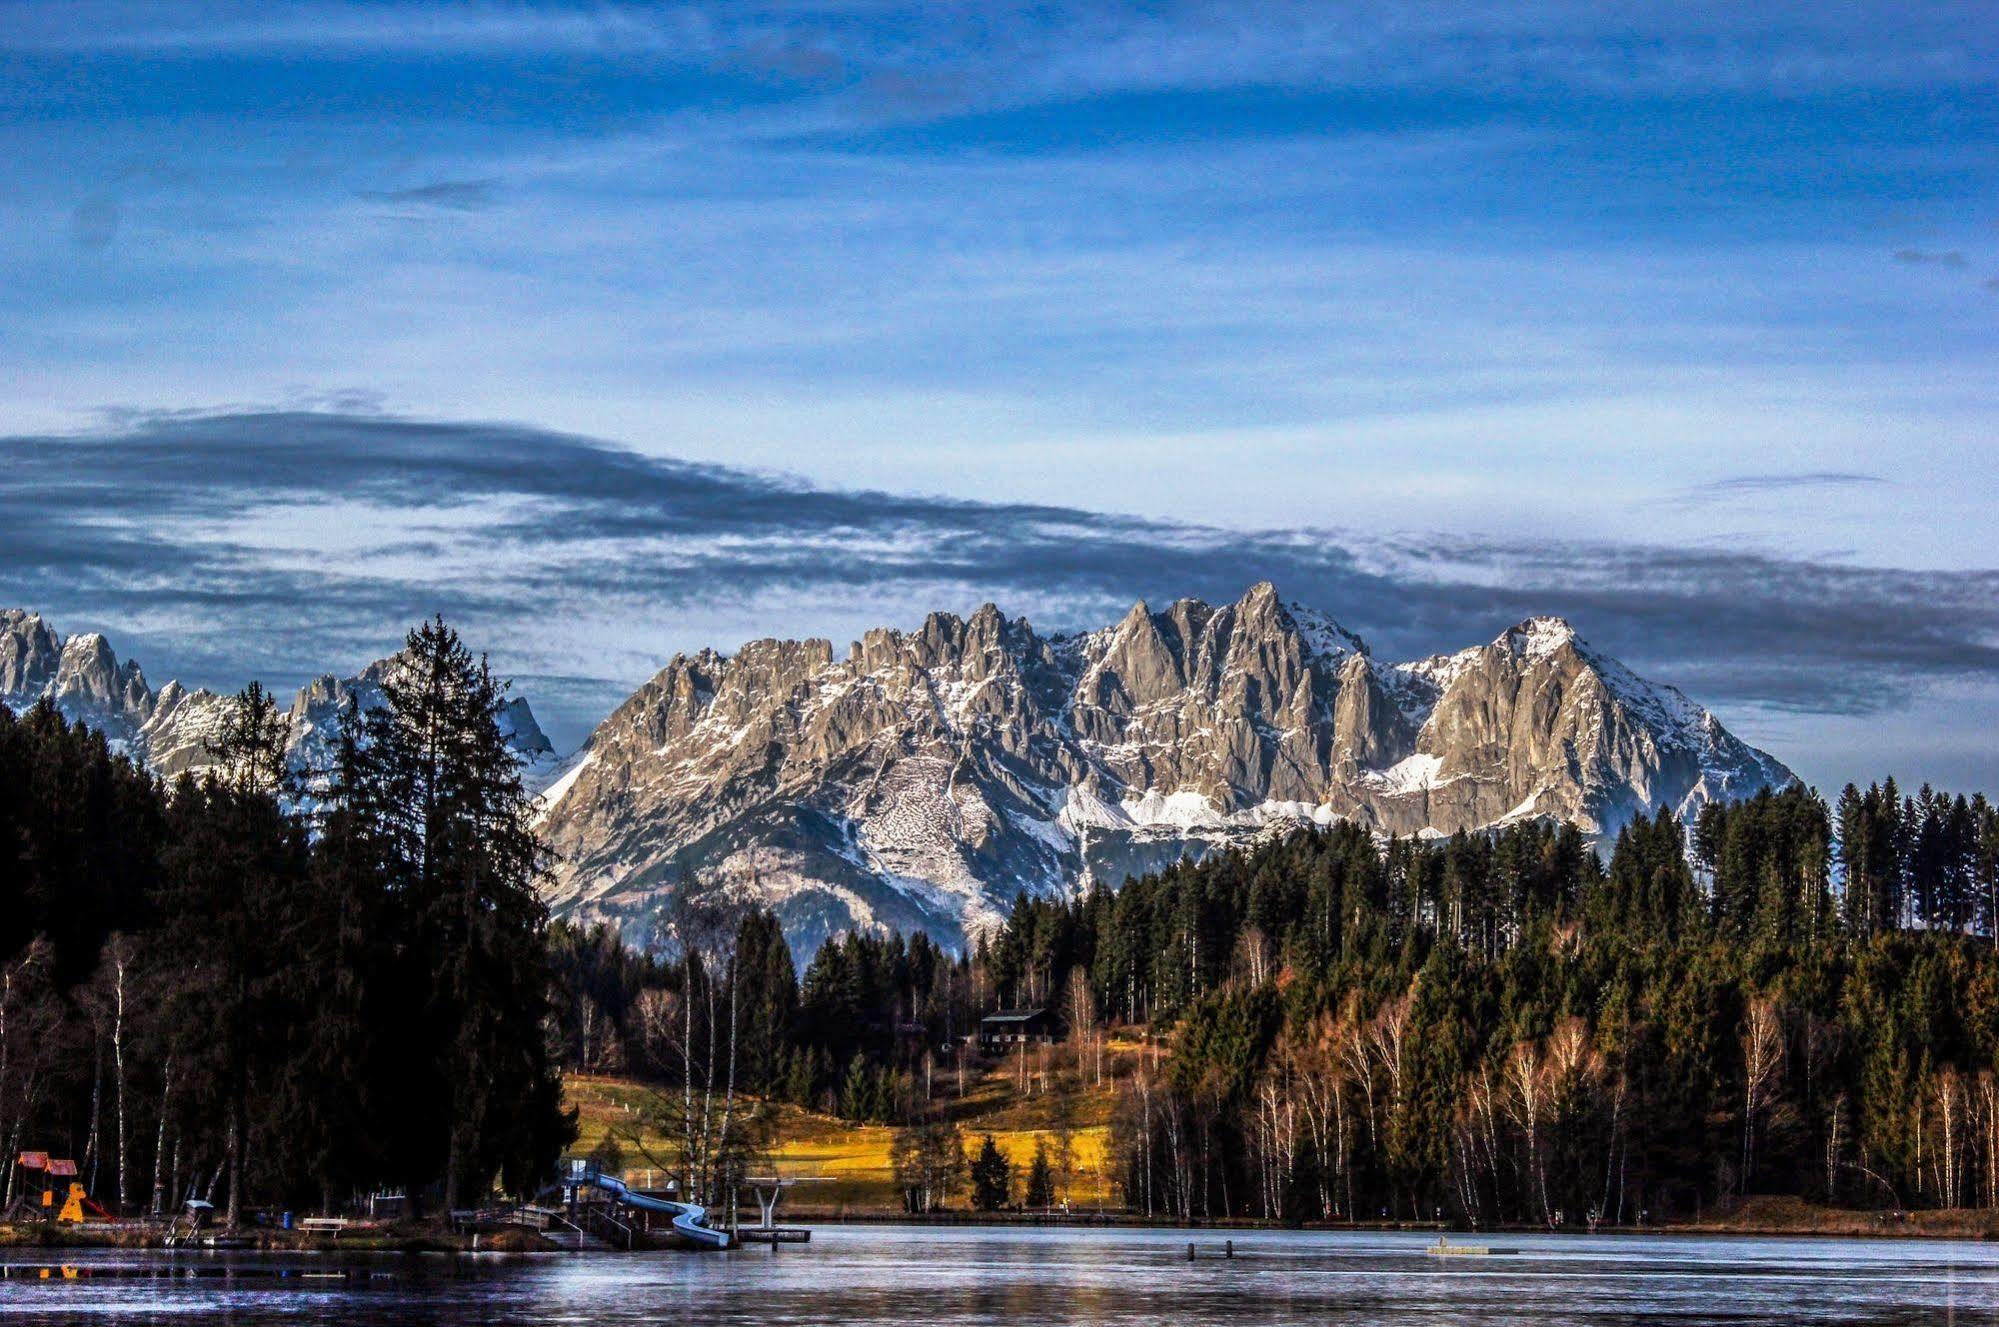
x,y
690,1219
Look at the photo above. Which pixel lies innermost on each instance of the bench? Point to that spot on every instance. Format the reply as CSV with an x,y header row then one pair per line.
x,y
323,1225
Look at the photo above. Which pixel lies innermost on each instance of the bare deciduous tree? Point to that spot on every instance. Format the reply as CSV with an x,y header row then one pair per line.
x,y
1762,1072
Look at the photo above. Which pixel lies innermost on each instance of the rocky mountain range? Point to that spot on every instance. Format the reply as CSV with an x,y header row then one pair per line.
x,y
923,779
170,730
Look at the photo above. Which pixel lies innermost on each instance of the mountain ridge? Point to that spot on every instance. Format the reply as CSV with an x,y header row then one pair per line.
x,y
169,731
923,778
926,777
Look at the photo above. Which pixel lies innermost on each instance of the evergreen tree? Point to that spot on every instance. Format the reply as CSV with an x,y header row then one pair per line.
x,y
343,1089
1040,1179
992,1177
770,994
464,864
234,868
250,749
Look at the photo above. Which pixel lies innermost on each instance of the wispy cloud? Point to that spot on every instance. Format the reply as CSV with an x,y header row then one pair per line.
x,y
1797,44
1751,485
454,195
1951,258
290,542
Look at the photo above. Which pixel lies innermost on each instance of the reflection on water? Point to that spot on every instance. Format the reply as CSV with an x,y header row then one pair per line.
x,y
867,1275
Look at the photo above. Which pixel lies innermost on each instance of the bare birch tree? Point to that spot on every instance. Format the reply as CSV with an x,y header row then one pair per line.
x,y
1762,1071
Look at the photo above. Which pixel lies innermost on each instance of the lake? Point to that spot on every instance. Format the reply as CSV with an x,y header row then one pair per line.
x,y
903,1275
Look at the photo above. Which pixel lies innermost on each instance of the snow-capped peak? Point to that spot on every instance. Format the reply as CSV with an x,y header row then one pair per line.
x,y
1538,637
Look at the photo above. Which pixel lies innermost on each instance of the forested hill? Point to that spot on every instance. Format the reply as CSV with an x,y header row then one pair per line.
x,y
1501,1029
1498,1028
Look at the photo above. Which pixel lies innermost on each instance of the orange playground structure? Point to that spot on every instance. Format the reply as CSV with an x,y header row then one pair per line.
x,y
77,1206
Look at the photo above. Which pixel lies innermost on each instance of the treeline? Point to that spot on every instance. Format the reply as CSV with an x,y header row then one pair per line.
x,y
1502,1028
246,989
716,1001
713,1014
1494,1028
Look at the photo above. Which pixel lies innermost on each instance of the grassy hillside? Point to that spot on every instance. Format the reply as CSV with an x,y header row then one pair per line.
x,y
854,1159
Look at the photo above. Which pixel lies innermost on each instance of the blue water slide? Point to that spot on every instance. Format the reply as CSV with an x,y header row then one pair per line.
x,y
690,1219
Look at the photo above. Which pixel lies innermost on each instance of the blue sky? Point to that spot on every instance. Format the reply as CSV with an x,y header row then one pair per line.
x,y
1464,291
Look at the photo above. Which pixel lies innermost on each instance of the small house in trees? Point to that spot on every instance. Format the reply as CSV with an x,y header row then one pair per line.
x,y
1008,1028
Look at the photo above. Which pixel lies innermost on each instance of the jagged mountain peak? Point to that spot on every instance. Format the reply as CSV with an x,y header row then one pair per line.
x,y
81,676
1538,637
171,731
29,653
314,721
926,777
1327,638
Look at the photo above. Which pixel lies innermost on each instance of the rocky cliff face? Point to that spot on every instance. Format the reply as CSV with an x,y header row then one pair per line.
x,y
81,675
923,779
170,731
29,653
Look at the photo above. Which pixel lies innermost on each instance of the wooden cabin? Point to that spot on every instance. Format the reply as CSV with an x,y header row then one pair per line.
x,y
1008,1028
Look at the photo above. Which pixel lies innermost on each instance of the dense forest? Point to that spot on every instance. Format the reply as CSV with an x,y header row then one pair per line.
x,y
257,989
251,989
1789,999
1501,1030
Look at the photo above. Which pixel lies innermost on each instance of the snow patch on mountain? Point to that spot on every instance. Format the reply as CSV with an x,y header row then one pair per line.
x,y
1323,637
1182,809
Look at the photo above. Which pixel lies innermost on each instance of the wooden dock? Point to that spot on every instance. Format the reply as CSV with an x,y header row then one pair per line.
x,y
774,1235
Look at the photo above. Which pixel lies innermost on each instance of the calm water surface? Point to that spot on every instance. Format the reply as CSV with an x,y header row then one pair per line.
x,y
888,1275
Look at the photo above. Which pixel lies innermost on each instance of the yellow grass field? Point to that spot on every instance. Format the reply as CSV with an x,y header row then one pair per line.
x,y
854,1159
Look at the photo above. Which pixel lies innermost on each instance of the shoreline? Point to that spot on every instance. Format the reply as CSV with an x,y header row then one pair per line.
x,y
141,1236
1973,1224
1760,1218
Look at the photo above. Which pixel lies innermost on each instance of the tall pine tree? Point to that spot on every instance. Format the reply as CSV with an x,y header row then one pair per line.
x,y
463,864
